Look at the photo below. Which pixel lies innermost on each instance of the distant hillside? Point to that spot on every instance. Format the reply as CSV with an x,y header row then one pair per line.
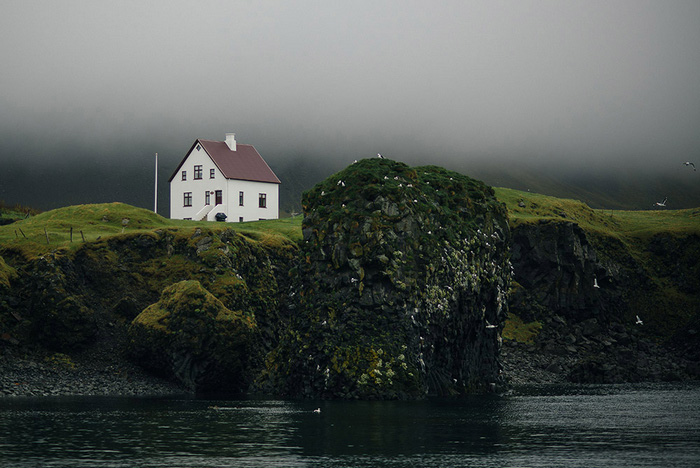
x,y
132,183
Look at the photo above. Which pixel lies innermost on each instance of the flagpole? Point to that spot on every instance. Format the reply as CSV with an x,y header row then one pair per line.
x,y
155,196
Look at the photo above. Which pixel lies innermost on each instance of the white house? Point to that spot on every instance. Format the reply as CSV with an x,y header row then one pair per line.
x,y
224,177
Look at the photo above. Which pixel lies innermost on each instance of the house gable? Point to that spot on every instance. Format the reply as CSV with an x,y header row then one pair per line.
x,y
243,164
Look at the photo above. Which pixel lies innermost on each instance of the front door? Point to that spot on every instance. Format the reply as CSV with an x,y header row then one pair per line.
x,y
218,199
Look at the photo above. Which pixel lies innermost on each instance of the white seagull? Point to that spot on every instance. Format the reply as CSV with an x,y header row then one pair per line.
x,y
688,163
662,203
317,410
380,156
488,325
595,282
639,321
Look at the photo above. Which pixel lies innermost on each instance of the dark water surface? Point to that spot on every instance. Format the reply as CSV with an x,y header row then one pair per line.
x,y
599,426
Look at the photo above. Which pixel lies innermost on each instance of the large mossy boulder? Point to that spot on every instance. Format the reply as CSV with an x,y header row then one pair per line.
x,y
401,286
191,336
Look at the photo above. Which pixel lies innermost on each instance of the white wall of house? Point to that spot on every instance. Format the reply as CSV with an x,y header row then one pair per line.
x,y
251,209
230,190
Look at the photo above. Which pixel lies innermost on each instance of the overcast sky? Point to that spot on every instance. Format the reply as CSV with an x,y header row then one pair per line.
x,y
601,81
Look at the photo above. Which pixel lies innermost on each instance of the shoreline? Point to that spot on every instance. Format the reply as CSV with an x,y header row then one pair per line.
x,y
87,374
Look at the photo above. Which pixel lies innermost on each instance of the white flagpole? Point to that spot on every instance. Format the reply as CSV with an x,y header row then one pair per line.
x,y
155,197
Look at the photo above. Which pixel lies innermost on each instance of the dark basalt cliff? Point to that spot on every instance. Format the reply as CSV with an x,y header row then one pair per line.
x,y
606,313
122,297
401,286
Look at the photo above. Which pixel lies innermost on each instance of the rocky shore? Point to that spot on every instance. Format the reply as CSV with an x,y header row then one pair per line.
x,y
100,369
590,354
33,376
554,358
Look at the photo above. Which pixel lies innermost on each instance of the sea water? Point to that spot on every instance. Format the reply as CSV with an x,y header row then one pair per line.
x,y
564,426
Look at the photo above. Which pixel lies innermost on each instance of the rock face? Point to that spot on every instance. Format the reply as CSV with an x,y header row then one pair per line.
x,y
589,334
190,335
82,301
558,267
401,286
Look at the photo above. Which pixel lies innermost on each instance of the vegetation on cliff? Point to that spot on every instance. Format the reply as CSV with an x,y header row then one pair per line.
x,y
63,295
401,285
368,297
191,335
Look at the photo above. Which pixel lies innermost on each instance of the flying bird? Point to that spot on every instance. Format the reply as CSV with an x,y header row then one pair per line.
x,y
488,325
380,156
688,163
639,321
662,203
317,410
595,282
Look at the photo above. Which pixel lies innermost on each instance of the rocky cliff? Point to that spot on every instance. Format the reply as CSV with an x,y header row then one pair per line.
x,y
67,300
401,286
397,290
606,305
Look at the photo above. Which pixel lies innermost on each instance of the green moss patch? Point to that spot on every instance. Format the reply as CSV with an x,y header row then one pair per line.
x,y
517,330
191,336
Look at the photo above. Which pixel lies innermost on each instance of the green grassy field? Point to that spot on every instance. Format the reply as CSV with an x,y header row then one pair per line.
x,y
633,228
67,228
53,229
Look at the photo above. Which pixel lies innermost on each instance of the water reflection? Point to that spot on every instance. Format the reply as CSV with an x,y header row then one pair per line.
x,y
402,428
607,426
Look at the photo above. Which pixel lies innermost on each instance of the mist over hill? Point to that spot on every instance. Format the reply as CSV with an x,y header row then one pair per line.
x,y
70,179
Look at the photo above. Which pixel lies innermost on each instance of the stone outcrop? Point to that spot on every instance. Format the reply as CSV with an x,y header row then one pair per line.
x,y
79,300
401,287
191,336
586,290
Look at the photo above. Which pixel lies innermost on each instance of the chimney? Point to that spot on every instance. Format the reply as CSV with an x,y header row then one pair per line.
x,y
231,141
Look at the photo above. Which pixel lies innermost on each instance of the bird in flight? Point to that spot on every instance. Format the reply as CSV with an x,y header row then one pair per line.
x,y
380,156
639,321
688,163
661,203
595,282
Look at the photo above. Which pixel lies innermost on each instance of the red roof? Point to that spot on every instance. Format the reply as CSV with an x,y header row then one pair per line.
x,y
243,164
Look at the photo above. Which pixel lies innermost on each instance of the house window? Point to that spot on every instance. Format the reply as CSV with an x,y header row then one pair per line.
x,y
184,175
240,198
199,147
187,199
262,200
207,198
197,172
212,173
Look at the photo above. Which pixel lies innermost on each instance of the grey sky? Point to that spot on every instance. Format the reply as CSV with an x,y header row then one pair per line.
x,y
608,80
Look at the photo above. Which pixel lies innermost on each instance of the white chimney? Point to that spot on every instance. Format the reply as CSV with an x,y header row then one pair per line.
x,y
231,141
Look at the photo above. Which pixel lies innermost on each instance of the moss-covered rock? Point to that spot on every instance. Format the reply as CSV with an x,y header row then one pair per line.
x,y
190,335
401,285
